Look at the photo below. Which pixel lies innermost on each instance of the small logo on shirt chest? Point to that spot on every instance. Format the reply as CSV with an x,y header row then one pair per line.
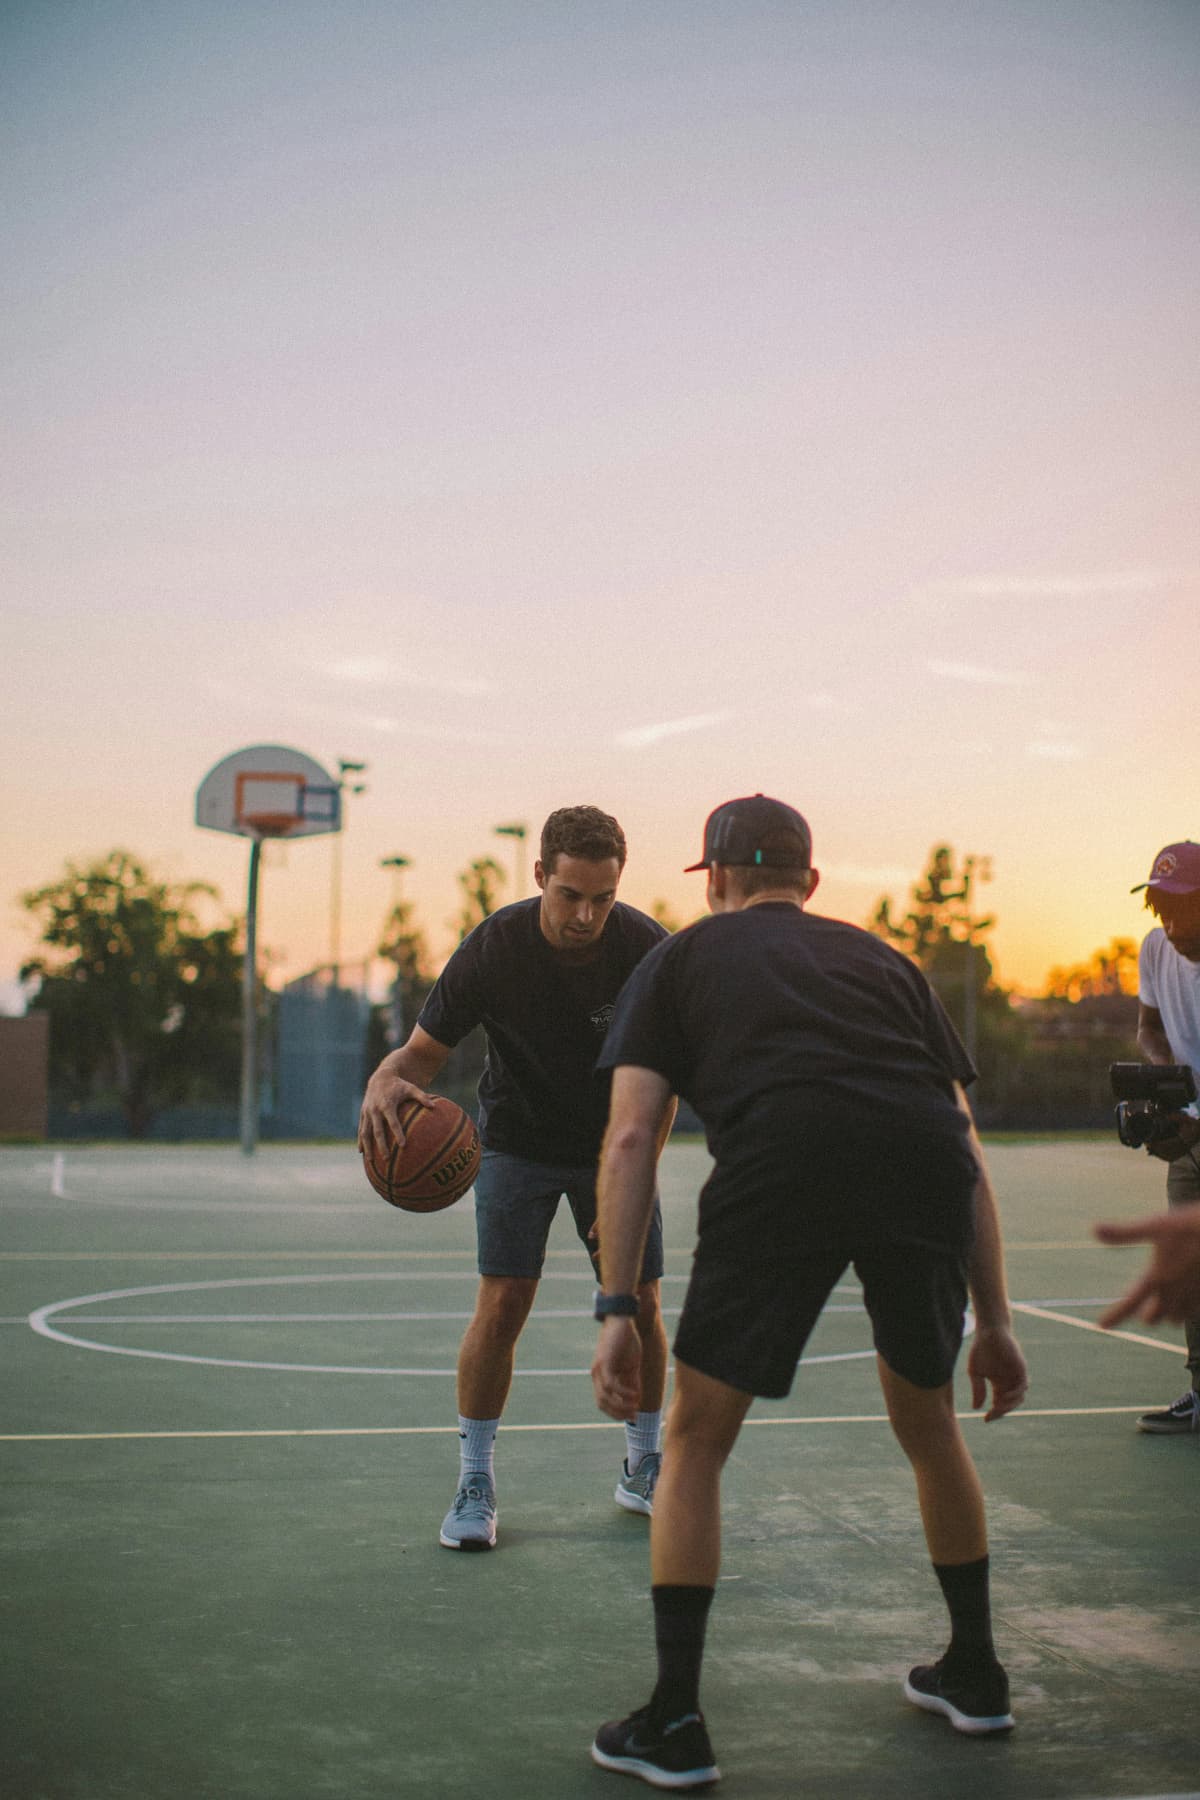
x,y
601,1019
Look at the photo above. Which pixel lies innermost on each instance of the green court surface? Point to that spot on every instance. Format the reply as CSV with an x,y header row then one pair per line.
x,y
228,1442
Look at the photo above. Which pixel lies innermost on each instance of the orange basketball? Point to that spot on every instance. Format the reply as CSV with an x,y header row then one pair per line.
x,y
435,1165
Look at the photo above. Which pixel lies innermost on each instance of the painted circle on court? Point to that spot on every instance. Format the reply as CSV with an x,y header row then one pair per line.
x,y
41,1321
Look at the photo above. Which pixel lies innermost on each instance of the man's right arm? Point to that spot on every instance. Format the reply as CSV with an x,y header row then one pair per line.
x,y
994,1356
1152,1038
404,1074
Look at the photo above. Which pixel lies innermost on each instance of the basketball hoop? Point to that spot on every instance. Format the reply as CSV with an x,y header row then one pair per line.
x,y
266,791
268,825
268,803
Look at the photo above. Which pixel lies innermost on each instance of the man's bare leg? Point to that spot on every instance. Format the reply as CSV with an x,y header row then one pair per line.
x,y
948,1486
702,1428
485,1356
655,1355
485,1369
967,1684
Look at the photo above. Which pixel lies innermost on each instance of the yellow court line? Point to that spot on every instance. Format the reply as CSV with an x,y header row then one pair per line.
x,y
1125,1337
360,1255
1058,1244
466,1254
85,1437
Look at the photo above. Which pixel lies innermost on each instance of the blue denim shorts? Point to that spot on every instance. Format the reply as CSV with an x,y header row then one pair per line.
x,y
515,1204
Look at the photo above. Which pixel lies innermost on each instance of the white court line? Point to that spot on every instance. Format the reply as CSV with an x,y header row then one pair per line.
x,y
127,1256
1125,1337
39,1321
349,1318
87,1437
132,1203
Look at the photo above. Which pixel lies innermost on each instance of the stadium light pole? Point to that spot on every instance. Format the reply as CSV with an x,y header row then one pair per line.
x,y
345,767
520,832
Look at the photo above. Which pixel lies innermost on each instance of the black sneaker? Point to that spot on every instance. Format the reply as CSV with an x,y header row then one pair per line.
x,y
976,1702
676,1755
1182,1415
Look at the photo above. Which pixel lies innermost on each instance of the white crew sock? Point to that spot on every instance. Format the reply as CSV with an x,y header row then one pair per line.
x,y
641,1437
477,1446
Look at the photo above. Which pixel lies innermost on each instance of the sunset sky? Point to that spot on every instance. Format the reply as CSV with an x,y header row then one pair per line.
x,y
640,404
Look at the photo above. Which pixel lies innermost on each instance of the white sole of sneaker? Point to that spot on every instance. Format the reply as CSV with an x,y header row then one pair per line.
x,y
977,1727
659,1778
633,1502
449,1543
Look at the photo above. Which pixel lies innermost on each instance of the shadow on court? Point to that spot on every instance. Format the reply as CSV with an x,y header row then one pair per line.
x,y
229,1443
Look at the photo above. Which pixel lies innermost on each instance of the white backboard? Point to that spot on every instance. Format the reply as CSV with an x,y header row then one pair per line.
x,y
269,791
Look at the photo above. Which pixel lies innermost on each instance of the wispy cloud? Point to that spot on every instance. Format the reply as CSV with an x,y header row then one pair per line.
x,y
383,672
1060,587
641,735
977,675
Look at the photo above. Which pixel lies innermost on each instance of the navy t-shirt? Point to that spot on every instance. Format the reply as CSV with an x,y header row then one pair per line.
x,y
545,1017
771,1019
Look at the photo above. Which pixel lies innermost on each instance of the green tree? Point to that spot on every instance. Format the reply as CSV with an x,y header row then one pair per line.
x,y
143,1001
946,939
402,943
1113,970
940,913
480,882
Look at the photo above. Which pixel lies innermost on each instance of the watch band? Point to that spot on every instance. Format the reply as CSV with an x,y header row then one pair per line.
x,y
620,1306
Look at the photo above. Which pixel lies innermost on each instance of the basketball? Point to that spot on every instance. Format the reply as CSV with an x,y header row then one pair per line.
x,y
435,1165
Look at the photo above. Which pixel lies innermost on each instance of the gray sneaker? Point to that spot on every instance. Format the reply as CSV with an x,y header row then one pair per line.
x,y
471,1522
636,1492
1182,1415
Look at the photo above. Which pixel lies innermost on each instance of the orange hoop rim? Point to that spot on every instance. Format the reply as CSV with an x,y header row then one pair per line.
x,y
270,824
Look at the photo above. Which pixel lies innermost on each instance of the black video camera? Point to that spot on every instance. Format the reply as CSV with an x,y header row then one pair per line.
x,y
1149,1095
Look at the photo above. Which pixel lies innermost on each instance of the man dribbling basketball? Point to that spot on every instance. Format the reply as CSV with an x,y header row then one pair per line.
x,y
830,1084
541,977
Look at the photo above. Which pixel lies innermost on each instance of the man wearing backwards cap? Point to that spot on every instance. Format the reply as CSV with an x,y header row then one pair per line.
x,y
1169,1032
830,1084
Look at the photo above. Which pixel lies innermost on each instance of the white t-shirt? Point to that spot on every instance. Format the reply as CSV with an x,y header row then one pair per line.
x,y
1171,984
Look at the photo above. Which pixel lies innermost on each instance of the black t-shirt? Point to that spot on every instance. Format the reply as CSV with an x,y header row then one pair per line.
x,y
545,1018
770,1018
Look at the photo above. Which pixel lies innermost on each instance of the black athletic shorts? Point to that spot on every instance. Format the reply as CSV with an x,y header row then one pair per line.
x,y
905,1224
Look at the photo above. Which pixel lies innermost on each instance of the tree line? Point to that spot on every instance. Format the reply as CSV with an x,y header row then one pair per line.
x,y
144,993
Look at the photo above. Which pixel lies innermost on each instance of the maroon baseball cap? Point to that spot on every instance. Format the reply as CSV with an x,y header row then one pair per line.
x,y
1176,870
755,832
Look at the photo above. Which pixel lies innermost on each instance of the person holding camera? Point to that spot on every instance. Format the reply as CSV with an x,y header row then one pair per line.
x,y
1169,1032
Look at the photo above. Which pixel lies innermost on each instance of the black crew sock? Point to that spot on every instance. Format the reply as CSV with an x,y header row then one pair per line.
x,y
966,1588
680,1616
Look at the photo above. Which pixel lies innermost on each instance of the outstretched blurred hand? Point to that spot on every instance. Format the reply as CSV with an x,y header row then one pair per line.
x,y
1170,1287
